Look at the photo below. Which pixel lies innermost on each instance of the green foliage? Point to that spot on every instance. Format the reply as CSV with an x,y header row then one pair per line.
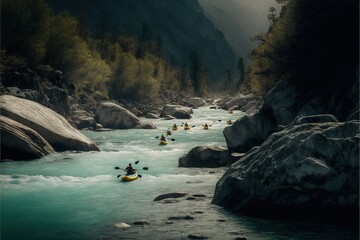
x,y
311,44
198,74
24,28
128,68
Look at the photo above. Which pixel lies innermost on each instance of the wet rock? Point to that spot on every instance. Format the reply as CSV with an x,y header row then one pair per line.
x,y
122,225
240,238
151,115
199,195
201,156
188,217
169,222
168,117
197,237
19,142
320,118
146,126
196,102
221,220
191,198
306,171
111,115
177,111
141,222
169,195
242,102
50,125
197,212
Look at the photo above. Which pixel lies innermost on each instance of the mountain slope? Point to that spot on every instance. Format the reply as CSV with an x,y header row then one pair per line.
x,y
240,20
180,25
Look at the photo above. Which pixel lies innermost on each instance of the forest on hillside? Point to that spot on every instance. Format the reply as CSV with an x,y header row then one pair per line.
x,y
118,64
310,43
313,44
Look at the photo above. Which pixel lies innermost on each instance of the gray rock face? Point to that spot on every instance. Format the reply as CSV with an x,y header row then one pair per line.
x,y
50,125
246,103
177,111
83,119
111,115
19,142
252,130
196,102
212,156
306,170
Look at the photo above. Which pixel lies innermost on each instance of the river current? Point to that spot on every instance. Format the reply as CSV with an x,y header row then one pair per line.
x,y
77,195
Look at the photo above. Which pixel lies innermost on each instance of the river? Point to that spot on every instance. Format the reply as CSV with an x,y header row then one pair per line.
x,y
74,195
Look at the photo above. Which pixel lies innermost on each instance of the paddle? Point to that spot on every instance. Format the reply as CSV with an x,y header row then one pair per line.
x,y
172,139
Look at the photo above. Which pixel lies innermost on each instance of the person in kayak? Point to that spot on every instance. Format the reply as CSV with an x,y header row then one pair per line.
x,y
129,169
162,138
168,132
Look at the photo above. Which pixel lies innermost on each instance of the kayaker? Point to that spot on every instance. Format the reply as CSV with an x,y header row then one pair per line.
x,y
162,138
186,125
175,126
206,126
168,132
129,169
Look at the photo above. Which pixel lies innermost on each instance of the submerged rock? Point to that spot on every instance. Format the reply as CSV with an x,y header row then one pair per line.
x,y
169,195
308,170
54,128
19,142
191,236
122,225
201,156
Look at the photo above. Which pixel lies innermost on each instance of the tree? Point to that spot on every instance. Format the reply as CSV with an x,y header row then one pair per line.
x,y
272,15
25,28
241,69
198,74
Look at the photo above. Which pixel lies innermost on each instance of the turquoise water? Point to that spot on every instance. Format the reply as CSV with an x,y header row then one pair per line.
x,y
78,195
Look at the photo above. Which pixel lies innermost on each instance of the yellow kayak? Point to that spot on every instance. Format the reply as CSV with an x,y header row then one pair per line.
x,y
206,128
163,142
174,128
130,177
187,128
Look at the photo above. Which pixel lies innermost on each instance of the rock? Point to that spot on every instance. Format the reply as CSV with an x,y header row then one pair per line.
x,y
242,102
19,142
57,98
141,222
146,126
169,195
111,115
240,238
197,237
307,171
188,217
177,111
83,119
122,225
151,115
196,102
168,117
201,156
250,131
316,119
50,125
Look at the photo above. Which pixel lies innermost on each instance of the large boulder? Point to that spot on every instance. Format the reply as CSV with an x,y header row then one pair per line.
x,y
50,125
111,115
196,102
252,130
201,156
19,142
177,111
242,102
83,119
308,170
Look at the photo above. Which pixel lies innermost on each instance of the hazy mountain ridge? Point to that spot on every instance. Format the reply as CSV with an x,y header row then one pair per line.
x,y
239,20
180,25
